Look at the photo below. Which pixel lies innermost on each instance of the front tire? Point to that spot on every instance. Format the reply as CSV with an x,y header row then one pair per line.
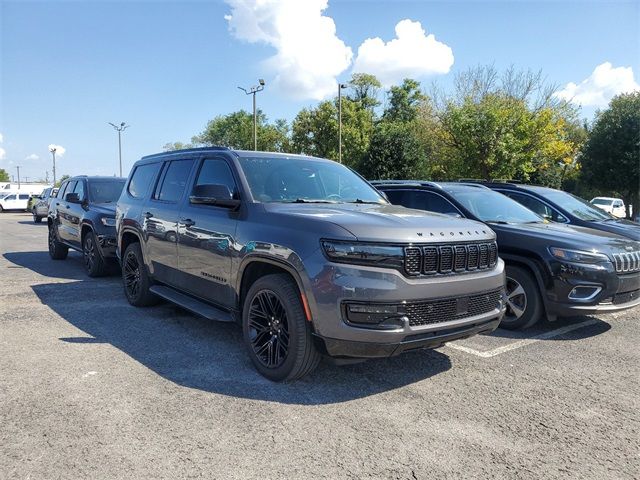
x,y
135,278
36,218
276,330
524,305
93,261
57,249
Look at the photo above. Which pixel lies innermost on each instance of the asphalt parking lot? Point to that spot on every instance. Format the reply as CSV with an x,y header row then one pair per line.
x,y
91,387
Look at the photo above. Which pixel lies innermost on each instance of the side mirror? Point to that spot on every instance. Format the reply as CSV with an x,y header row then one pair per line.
x,y
214,194
72,198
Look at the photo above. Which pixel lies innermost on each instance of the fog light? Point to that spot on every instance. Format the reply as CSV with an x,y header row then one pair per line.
x,y
373,314
584,292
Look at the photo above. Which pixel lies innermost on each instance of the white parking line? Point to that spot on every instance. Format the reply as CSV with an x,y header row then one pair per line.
x,y
522,343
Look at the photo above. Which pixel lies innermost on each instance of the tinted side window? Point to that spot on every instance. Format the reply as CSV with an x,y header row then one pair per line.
x,y
142,178
174,181
23,196
216,172
63,187
79,189
70,187
10,197
428,201
395,196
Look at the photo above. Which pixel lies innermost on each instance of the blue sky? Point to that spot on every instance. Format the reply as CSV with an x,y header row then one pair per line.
x,y
68,68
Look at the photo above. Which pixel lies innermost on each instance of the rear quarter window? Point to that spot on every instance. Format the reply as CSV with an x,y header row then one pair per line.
x,y
142,179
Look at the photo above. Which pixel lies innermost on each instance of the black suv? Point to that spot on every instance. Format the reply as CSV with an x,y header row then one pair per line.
x,y
562,207
82,216
551,268
305,254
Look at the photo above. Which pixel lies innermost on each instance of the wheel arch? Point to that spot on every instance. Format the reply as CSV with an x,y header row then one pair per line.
x,y
256,266
532,266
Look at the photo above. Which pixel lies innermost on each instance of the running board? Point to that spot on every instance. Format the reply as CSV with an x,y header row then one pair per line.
x,y
192,304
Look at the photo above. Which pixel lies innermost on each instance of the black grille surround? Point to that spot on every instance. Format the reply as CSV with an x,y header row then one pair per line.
x,y
449,258
448,309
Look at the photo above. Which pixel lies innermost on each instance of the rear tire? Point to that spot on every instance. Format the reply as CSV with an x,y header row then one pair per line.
x,y
524,305
135,278
57,249
276,330
93,261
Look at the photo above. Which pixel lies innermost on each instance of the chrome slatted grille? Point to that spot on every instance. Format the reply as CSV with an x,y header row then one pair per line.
x,y
627,262
445,310
444,259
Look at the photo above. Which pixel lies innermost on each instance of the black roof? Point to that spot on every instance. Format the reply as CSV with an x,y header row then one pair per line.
x,y
96,177
239,153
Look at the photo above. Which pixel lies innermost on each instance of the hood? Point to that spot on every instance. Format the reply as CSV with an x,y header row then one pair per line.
x,y
104,208
620,226
568,236
387,223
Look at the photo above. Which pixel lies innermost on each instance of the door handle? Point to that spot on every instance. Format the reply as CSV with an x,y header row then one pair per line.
x,y
187,222
148,214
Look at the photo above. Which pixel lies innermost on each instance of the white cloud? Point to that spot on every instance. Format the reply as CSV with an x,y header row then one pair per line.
x,y
3,153
33,156
1,138
412,53
309,55
601,86
59,149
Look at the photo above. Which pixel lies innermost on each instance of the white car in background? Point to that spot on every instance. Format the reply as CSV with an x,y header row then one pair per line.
x,y
615,206
14,201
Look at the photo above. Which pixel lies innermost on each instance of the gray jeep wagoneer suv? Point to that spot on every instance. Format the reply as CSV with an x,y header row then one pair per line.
x,y
305,254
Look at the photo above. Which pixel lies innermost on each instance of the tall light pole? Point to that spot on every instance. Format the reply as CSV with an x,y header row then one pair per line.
x,y
120,128
18,168
53,154
340,87
252,91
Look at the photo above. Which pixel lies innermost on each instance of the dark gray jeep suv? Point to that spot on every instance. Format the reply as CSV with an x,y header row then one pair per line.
x,y
305,254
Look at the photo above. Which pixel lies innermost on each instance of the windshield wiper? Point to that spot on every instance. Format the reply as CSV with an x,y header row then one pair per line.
x,y
497,222
305,200
368,202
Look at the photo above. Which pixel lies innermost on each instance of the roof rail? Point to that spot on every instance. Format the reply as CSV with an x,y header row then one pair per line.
x,y
423,183
473,184
187,150
472,180
506,180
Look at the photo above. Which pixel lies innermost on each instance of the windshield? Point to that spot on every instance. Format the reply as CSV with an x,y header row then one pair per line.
x,y
490,206
105,191
602,202
577,206
281,179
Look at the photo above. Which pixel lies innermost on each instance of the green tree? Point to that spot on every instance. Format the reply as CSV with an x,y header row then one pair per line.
x,y
235,130
61,179
4,176
364,90
395,152
611,156
315,131
506,126
404,101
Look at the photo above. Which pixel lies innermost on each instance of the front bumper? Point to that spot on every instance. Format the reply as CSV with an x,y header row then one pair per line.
x,y
331,286
619,291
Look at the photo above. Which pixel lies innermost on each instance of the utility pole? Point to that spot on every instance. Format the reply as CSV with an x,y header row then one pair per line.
x,y
340,87
18,168
120,128
53,153
252,91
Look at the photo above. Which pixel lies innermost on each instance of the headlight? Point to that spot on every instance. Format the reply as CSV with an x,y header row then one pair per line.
x,y
108,221
364,254
578,256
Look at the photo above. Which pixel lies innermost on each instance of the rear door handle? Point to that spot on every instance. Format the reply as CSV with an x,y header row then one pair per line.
x,y
148,214
187,222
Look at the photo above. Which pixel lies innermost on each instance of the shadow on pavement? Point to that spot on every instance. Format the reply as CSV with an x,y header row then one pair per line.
x,y
210,356
72,268
26,222
544,327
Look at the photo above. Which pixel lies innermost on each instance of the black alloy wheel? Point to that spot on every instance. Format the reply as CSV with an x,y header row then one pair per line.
x,y
57,250
268,329
93,261
135,278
